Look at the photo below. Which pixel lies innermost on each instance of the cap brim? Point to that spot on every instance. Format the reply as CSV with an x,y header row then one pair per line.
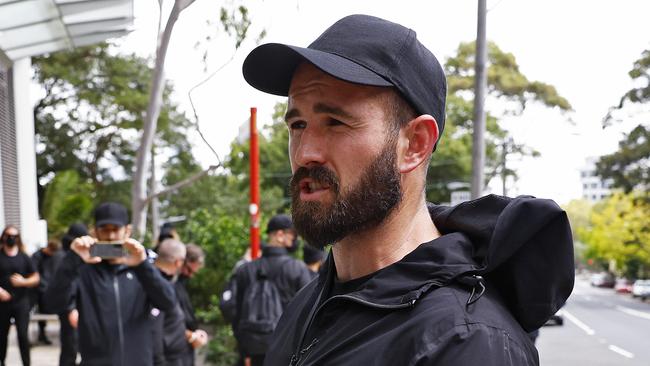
x,y
270,67
109,222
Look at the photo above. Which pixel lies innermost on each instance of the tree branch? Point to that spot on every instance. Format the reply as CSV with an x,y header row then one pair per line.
x,y
181,184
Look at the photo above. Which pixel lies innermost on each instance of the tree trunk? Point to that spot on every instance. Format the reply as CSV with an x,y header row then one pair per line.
x,y
139,190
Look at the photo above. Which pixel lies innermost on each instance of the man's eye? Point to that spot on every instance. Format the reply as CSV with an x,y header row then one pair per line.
x,y
298,125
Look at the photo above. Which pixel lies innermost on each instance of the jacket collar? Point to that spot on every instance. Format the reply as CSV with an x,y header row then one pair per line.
x,y
523,246
269,251
432,264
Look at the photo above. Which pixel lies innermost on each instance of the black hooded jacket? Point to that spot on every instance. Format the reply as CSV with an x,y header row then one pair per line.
x,y
114,303
501,267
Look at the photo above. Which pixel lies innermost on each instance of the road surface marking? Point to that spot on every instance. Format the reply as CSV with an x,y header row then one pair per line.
x,y
578,323
640,314
621,351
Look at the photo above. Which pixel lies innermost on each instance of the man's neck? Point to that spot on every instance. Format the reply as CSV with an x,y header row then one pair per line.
x,y
362,253
166,268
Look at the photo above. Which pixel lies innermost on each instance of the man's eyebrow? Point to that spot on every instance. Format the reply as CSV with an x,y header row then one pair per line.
x,y
319,108
293,112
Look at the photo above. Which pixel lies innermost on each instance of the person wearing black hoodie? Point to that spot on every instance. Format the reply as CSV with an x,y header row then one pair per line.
x,y
114,296
69,318
406,283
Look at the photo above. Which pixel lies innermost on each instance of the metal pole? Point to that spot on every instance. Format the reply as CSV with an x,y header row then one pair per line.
x,y
478,147
254,207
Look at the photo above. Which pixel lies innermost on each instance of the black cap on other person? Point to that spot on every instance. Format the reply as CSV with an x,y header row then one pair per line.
x,y
279,222
360,49
111,213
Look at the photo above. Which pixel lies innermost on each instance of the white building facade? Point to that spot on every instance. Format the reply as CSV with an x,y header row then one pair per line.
x,y
594,188
30,28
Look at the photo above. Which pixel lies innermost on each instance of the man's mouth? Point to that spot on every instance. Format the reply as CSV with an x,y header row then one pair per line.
x,y
309,186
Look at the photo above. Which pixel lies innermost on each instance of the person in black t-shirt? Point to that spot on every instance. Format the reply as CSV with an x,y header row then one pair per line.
x,y
17,274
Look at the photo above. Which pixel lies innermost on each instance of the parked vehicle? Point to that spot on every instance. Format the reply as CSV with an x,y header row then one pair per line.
x,y
556,319
603,279
623,286
641,288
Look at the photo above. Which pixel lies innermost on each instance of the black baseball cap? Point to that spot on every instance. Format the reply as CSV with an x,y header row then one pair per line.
x,y
279,222
74,231
111,213
360,49
312,255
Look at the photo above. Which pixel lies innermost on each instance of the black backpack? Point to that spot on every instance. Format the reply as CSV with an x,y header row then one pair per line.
x,y
260,311
228,300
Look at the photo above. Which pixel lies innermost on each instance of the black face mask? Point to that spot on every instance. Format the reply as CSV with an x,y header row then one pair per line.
x,y
10,240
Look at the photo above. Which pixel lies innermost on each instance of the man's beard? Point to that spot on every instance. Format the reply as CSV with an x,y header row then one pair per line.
x,y
362,206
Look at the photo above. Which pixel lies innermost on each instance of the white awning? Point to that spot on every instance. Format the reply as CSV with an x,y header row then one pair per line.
x,y
35,27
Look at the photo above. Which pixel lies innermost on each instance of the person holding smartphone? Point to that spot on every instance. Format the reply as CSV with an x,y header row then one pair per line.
x,y
114,293
17,274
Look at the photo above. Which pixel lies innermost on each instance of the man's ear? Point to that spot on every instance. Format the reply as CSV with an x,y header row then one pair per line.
x,y
417,140
92,232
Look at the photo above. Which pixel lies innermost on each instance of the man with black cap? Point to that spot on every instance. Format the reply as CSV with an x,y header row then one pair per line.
x,y
406,283
265,287
114,296
313,258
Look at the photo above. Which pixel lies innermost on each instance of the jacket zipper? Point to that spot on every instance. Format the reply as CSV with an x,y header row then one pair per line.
x,y
116,288
298,356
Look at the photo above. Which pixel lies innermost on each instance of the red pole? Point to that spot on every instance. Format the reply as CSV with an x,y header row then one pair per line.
x,y
254,207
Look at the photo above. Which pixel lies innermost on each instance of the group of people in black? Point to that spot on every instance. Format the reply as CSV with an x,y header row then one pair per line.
x,y
130,309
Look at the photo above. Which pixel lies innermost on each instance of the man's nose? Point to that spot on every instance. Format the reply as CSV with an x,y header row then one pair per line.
x,y
310,148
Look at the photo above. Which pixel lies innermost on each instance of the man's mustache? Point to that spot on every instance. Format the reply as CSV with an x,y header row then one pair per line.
x,y
319,174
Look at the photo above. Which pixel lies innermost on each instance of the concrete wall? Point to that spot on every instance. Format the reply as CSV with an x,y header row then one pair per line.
x,y
33,230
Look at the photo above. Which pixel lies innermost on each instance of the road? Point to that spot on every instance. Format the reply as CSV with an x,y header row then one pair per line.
x,y
601,328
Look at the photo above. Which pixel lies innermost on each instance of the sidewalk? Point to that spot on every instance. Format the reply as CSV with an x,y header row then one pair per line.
x,y
44,355
41,355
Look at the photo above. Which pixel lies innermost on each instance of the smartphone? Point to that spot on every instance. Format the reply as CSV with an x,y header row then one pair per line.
x,y
108,249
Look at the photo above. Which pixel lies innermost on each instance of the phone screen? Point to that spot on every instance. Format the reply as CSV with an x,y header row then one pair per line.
x,y
107,249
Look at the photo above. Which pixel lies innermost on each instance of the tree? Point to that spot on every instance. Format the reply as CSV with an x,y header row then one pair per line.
x,y
235,22
619,232
507,88
67,199
92,108
629,167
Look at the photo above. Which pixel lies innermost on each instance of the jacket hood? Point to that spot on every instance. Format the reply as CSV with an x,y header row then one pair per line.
x,y
522,247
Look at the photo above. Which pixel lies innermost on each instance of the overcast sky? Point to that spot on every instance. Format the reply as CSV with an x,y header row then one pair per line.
x,y
583,48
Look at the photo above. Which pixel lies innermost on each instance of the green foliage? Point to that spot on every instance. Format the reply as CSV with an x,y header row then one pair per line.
x,y
629,166
224,238
505,81
452,161
222,347
67,199
92,112
579,212
619,231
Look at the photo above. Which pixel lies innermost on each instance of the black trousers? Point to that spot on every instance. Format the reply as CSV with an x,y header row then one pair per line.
x,y
19,311
68,356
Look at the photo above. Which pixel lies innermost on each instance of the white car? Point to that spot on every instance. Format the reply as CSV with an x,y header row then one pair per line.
x,y
641,288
